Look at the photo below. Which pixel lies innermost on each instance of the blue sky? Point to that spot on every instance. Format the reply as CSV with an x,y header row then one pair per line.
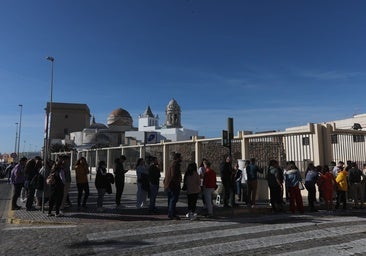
x,y
268,64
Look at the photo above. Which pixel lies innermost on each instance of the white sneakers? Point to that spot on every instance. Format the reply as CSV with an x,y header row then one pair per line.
x,y
191,215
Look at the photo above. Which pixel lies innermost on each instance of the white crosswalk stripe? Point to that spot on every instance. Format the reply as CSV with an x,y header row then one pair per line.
x,y
350,248
154,230
237,246
220,237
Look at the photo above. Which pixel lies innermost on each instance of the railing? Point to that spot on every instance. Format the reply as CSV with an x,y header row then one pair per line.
x,y
315,143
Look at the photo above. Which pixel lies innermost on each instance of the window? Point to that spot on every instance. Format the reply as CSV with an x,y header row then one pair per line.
x,y
334,139
305,141
358,138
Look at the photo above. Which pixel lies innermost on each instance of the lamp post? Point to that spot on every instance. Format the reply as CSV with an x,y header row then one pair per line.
x,y
49,114
20,127
47,143
16,138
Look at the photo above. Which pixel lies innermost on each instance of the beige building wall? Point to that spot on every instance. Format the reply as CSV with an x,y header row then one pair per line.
x,y
67,118
349,122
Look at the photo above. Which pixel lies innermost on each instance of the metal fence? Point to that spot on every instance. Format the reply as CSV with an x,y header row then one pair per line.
x,y
315,143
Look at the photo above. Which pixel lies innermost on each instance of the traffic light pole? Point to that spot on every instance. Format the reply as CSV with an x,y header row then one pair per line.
x,y
228,135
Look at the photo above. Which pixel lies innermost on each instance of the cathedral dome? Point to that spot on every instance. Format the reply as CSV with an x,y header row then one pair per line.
x,y
119,117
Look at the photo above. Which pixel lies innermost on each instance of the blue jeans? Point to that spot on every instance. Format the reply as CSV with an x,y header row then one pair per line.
x,y
238,188
173,196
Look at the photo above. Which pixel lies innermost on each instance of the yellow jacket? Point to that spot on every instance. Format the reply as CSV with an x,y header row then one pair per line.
x,y
341,180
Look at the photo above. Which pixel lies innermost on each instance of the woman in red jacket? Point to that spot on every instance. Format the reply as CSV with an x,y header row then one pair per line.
x,y
209,186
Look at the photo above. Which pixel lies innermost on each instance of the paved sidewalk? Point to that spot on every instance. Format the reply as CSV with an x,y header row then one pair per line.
x,y
128,211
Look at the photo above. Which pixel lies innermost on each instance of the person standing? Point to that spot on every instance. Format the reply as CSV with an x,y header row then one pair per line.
x,y
154,180
226,171
119,178
275,184
342,189
81,174
8,171
338,168
43,191
311,178
355,177
292,180
363,182
57,188
209,186
172,183
244,183
142,183
192,183
201,172
66,169
17,179
238,175
252,173
326,184
101,184
31,171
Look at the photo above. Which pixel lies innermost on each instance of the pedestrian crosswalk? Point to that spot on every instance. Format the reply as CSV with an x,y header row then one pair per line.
x,y
350,248
271,235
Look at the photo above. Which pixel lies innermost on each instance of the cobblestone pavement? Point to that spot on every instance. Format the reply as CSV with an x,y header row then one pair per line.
x,y
128,211
131,231
283,234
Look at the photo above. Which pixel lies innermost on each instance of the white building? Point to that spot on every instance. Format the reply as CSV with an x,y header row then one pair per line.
x,y
149,130
357,122
100,135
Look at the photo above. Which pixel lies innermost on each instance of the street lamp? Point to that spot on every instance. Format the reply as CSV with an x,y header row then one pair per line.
x,y
49,115
16,138
20,126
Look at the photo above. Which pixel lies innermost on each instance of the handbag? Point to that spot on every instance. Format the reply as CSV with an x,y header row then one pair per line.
x,y
301,185
51,179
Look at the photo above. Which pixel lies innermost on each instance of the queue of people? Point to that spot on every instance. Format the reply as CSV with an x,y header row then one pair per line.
x,y
336,184
50,182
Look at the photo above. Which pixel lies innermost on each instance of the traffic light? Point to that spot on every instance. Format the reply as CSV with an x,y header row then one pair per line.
x,y
225,140
230,128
